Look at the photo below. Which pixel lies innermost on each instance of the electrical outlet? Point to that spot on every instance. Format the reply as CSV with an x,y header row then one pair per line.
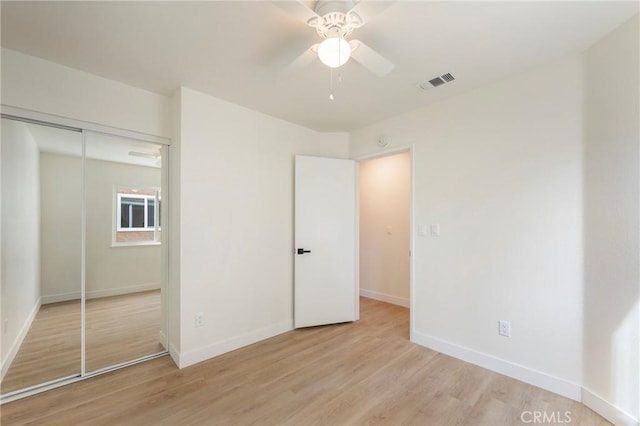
x,y
504,328
199,319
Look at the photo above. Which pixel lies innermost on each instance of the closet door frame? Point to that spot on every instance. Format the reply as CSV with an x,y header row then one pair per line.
x,y
20,114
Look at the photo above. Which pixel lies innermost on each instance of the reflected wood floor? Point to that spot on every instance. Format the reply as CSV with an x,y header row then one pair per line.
x,y
122,328
118,329
50,350
349,374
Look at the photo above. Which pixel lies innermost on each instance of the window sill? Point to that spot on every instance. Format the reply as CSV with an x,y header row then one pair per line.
x,y
136,244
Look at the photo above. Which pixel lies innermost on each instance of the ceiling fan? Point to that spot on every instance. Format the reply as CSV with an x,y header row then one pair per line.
x,y
155,156
334,22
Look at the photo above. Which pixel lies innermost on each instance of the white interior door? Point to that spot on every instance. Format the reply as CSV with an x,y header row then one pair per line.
x,y
325,229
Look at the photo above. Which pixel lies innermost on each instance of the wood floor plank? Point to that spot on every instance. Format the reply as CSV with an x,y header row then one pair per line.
x,y
364,373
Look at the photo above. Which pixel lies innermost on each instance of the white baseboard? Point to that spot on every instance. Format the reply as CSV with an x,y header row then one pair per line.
x,y
63,297
15,347
516,371
174,353
607,410
206,352
401,301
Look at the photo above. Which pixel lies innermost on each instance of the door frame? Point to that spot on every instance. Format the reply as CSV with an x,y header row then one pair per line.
x,y
371,156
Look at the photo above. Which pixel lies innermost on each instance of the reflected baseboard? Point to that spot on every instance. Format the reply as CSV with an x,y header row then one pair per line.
x,y
65,297
163,340
15,347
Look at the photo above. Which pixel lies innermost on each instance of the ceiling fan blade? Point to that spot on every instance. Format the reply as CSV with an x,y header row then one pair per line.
x,y
370,59
367,9
303,60
299,10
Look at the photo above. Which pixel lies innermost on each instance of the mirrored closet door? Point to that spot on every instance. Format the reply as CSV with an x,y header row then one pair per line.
x,y
83,257
41,253
124,250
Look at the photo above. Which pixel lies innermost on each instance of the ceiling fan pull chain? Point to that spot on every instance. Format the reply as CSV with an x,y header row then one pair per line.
x,y
331,84
340,47
339,57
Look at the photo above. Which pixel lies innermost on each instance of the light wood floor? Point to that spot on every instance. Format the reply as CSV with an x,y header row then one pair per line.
x,y
349,374
118,329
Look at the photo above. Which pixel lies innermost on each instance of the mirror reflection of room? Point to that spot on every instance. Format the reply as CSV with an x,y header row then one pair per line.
x,y
41,250
123,179
43,179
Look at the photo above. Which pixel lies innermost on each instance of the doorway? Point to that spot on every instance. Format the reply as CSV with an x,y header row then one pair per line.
x,y
385,228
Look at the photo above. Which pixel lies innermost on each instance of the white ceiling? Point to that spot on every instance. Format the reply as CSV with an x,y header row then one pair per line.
x,y
236,50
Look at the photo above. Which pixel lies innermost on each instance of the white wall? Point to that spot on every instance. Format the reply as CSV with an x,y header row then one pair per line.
x,y
385,185
500,169
61,204
110,270
612,211
43,86
20,285
114,270
236,189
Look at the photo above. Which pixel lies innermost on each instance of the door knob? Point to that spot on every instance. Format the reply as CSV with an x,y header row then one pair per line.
x,y
303,251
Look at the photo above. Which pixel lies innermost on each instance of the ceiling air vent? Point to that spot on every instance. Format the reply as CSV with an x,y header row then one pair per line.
x,y
435,82
447,77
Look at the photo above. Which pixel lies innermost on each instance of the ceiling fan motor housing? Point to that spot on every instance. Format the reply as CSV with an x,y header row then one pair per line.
x,y
336,20
323,7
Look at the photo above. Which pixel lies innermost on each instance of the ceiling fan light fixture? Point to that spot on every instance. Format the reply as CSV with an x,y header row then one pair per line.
x,y
150,155
334,52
